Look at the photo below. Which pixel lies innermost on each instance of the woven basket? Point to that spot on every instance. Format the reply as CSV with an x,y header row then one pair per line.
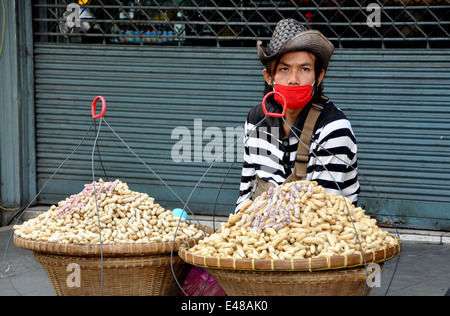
x,y
350,282
127,276
128,269
337,275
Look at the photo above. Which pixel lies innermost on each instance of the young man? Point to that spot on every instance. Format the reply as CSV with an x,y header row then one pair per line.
x,y
296,61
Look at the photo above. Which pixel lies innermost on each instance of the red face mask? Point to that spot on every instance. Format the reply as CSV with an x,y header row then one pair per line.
x,y
296,96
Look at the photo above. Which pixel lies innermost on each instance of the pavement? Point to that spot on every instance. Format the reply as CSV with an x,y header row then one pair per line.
x,y
422,269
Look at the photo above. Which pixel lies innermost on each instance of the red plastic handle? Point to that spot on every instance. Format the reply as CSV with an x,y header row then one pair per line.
x,y
282,114
94,104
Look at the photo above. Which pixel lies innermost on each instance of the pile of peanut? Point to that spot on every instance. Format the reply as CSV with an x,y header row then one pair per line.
x,y
295,221
125,217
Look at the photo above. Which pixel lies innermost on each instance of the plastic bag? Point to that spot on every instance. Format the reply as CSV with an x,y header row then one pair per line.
x,y
200,283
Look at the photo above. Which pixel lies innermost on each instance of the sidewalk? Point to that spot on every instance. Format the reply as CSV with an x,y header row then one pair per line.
x,y
422,269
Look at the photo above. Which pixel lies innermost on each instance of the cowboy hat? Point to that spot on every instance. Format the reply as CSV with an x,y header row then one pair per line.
x,y
290,36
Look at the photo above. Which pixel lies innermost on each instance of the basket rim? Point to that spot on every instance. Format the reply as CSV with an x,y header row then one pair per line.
x,y
309,264
106,250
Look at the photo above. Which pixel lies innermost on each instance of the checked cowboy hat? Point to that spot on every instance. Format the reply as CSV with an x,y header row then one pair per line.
x,y
291,36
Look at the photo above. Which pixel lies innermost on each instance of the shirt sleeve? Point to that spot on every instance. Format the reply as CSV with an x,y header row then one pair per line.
x,y
333,162
247,175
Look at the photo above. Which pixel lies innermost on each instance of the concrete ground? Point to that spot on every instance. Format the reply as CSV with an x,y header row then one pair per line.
x,y
422,269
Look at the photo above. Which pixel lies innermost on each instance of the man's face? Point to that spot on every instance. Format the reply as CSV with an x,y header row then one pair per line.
x,y
294,69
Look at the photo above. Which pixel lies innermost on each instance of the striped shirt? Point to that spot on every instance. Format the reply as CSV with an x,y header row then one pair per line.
x,y
270,154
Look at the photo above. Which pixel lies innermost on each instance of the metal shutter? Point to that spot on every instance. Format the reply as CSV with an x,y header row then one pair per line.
x,y
149,93
396,100
398,103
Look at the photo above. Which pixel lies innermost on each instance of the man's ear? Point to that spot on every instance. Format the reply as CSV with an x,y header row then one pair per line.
x,y
267,77
321,76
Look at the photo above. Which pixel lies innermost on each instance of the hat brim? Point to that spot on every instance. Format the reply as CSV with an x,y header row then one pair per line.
x,y
311,40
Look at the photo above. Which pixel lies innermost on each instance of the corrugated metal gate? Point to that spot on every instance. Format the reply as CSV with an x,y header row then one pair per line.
x,y
397,105
151,94
397,101
172,95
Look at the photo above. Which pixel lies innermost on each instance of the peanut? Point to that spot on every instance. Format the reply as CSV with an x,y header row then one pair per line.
x,y
125,217
295,221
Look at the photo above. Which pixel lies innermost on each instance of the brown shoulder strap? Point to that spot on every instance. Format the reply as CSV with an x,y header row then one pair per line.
x,y
301,162
305,142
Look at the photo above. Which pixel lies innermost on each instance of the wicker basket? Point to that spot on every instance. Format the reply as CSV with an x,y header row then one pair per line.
x,y
331,276
348,282
128,270
127,276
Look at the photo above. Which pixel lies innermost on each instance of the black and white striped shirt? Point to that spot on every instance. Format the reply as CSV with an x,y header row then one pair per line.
x,y
270,154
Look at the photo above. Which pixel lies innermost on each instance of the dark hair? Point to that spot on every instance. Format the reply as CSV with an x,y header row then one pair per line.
x,y
318,67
